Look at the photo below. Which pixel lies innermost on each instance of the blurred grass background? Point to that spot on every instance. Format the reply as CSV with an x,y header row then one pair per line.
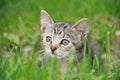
x,y
20,26
23,17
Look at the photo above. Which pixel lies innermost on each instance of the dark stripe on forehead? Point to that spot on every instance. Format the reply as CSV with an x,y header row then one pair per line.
x,y
65,26
61,29
55,30
60,26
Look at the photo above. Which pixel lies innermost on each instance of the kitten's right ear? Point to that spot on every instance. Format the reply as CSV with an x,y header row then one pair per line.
x,y
46,20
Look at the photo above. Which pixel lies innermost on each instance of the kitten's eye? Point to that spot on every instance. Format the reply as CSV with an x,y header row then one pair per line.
x,y
48,38
64,42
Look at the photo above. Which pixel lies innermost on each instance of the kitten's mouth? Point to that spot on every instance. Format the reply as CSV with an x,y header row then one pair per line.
x,y
53,53
59,56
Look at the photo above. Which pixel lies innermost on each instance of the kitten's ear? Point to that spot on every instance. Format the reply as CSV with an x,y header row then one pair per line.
x,y
46,20
82,26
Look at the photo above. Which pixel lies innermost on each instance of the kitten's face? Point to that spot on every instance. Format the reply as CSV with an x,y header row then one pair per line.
x,y
56,40
59,37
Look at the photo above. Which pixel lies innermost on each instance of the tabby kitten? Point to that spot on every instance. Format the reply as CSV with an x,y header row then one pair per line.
x,y
59,38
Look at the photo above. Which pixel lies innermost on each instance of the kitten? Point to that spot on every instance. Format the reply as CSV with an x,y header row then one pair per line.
x,y
60,38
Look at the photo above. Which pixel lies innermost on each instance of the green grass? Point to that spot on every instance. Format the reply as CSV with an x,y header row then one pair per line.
x,y
20,27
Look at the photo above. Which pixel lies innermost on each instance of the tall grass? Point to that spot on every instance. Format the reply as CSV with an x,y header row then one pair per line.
x,y
19,66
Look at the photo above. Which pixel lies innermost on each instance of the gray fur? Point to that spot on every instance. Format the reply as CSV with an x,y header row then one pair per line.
x,y
75,34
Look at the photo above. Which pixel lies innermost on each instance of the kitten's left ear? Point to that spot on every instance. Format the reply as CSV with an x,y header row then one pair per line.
x,y
46,20
82,26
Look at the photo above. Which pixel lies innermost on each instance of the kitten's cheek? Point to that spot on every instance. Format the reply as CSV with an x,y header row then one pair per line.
x,y
60,48
47,51
46,44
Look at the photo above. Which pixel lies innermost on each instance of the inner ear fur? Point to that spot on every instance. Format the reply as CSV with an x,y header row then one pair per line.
x,y
82,26
46,20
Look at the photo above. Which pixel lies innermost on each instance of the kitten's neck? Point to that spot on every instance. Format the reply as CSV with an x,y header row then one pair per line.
x,y
90,44
80,52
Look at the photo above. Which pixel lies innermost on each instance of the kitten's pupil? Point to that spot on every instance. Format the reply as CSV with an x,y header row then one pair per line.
x,y
48,39
65,42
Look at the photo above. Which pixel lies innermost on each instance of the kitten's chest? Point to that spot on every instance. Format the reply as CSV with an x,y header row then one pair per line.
x,y
63,67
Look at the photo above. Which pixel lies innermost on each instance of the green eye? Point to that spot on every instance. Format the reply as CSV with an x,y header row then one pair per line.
x,y
48,39
65,42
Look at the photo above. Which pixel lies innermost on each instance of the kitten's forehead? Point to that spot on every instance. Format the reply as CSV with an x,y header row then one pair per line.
x,y
61,26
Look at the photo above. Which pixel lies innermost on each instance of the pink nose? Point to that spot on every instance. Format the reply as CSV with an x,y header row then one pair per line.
x,y
53,48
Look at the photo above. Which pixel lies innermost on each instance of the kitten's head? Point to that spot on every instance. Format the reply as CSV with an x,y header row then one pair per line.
x,y
60,38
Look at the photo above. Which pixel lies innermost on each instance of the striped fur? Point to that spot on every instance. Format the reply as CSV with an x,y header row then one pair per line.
x,y
60,38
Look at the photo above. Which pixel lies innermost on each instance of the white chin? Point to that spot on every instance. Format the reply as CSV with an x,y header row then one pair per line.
x,y
57,56
60,56
52,55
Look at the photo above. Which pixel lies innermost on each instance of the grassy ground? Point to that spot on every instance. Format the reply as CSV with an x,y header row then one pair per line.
x,y
20,28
